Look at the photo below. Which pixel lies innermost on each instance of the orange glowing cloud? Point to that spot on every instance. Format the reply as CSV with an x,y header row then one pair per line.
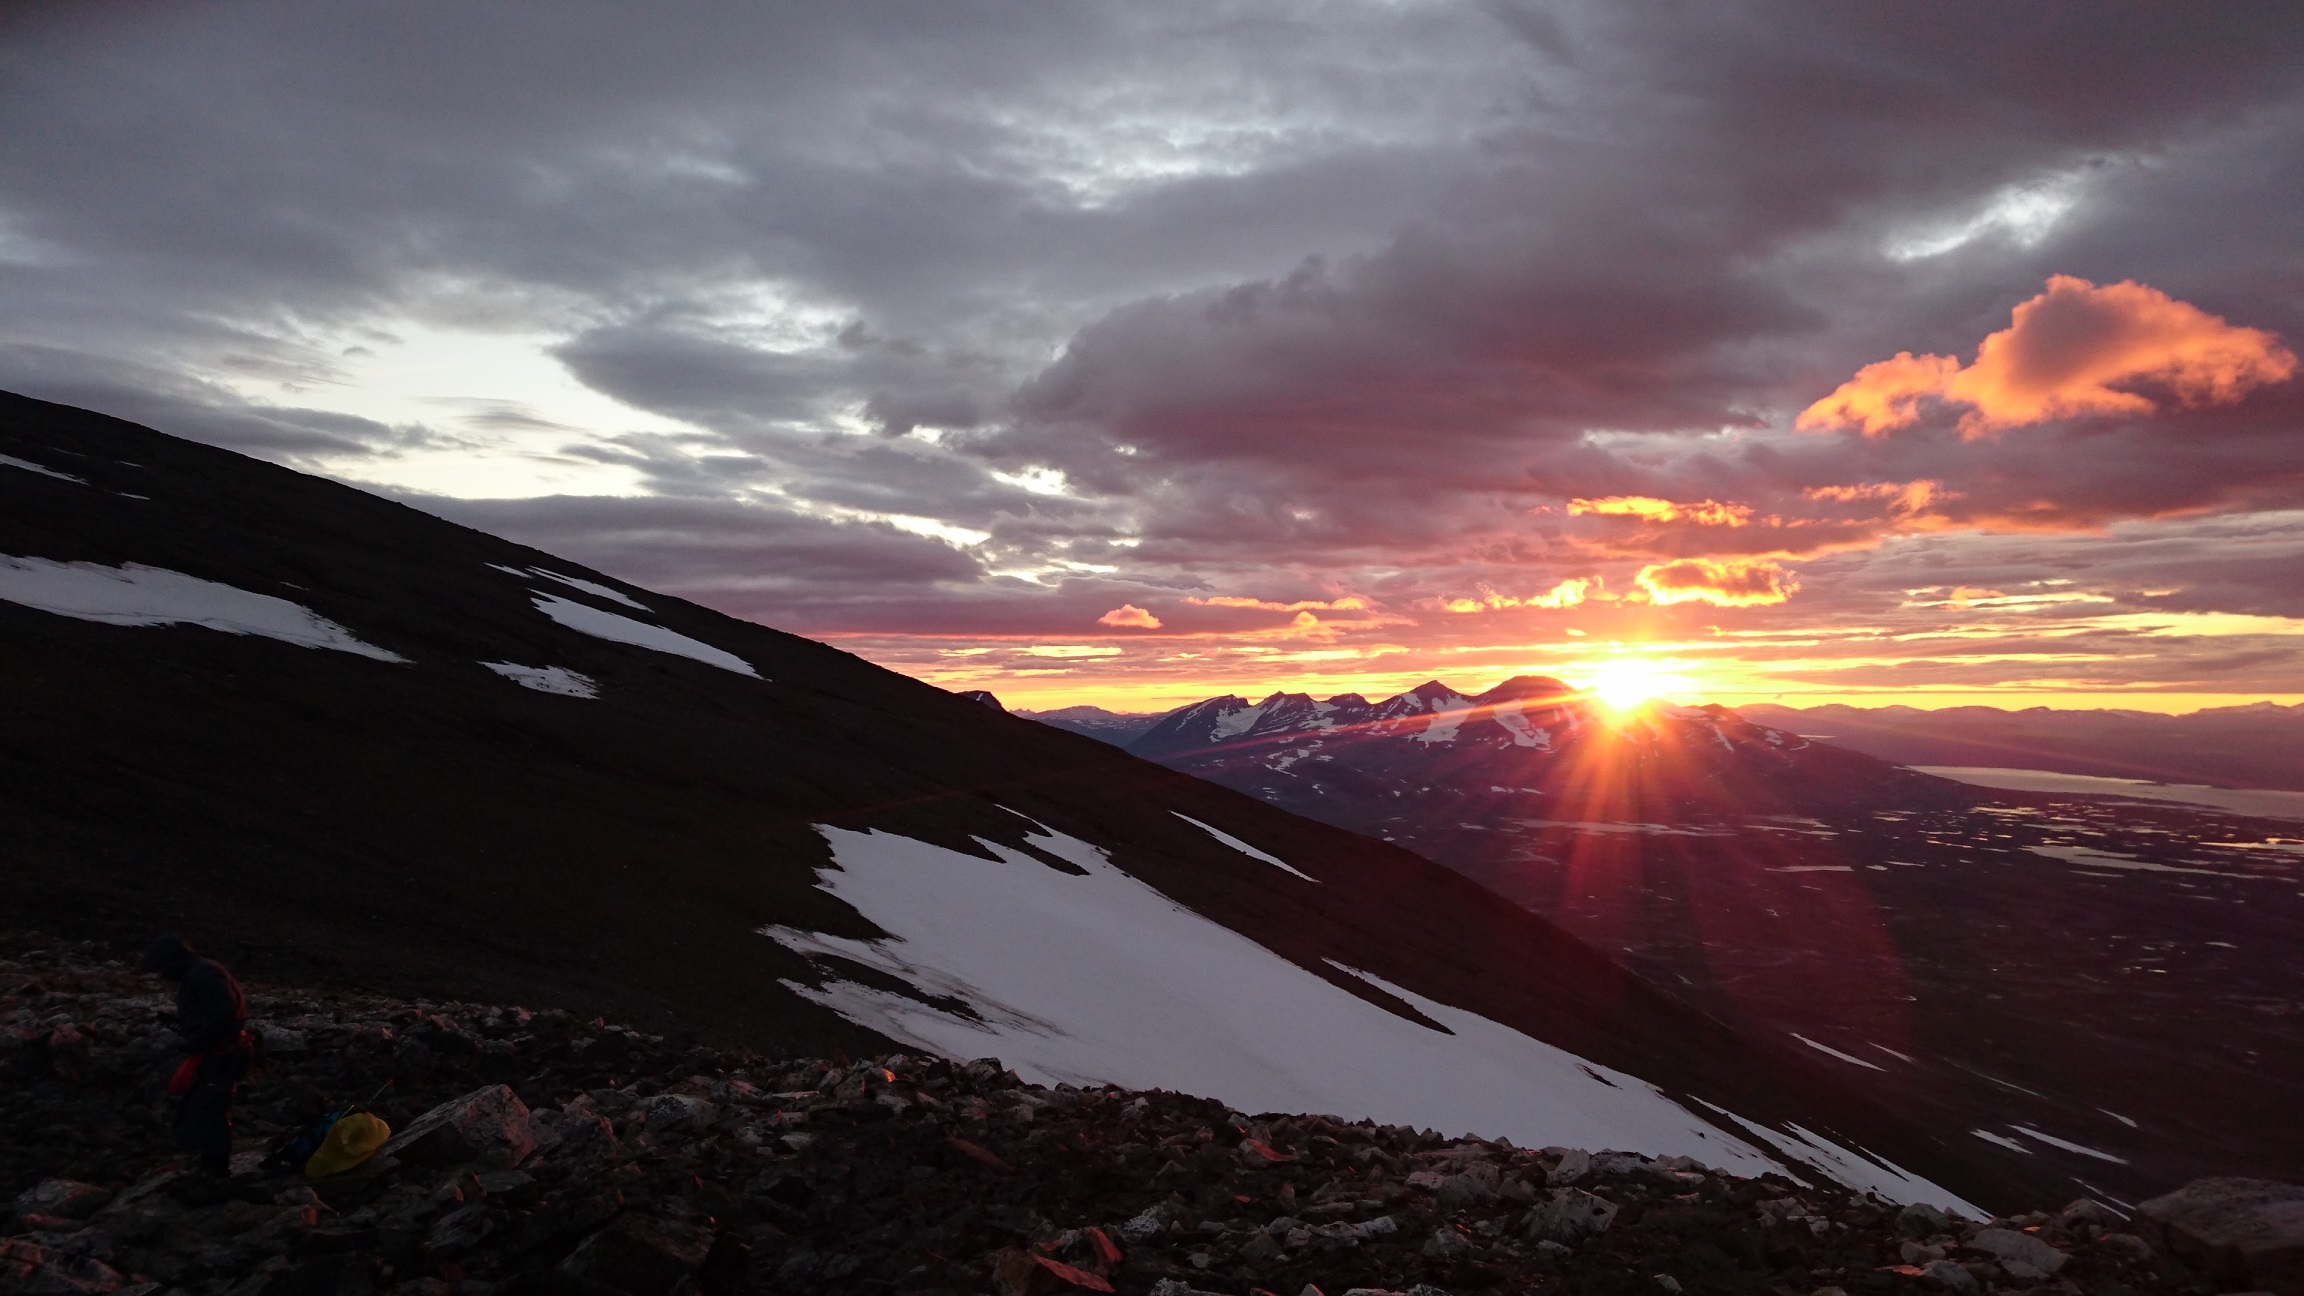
x,y
2074,350
1349,603
1566,594
1722,582
1647,508
1900,497
1128,615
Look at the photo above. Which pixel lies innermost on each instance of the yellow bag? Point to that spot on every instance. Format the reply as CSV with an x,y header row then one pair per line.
x,y
351,1140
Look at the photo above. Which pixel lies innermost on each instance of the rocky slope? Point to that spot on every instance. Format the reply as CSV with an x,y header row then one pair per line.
x,y
571,1156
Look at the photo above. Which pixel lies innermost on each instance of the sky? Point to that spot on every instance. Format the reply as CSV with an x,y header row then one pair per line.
x,y
1128,354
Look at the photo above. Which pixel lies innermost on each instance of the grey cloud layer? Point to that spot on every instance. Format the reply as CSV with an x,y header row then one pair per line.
x,y
1316,296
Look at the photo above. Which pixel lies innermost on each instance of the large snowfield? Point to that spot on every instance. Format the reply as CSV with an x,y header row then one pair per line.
x,y
1101,979
135,595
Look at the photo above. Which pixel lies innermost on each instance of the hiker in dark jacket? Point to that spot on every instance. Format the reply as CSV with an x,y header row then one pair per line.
x,y
212,1016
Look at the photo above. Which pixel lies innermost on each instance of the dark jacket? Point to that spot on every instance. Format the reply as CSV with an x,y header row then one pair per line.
x,y
210,1010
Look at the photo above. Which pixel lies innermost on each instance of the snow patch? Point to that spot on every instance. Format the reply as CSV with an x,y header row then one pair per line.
x,y
27,465
1845,1057
1098,978
623,629
2003,1140
1244,848
589,587
1443,727
1232,724
1856,1168
547,679
2068,1145
133,594
1523,733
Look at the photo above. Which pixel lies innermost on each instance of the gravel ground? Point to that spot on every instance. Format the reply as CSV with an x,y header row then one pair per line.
x,y
571,1156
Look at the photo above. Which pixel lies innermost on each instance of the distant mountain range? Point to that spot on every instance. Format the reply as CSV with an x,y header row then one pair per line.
x,y
1532,744
2260,745
333,737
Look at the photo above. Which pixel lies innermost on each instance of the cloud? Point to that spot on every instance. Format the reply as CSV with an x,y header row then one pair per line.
x,y
1726,582
1127,615
924,327
1566,594
1349,603
2074,350
1901,498
1650,509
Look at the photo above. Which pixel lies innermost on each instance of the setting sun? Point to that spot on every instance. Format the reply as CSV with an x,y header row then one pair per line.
x,y
1626,683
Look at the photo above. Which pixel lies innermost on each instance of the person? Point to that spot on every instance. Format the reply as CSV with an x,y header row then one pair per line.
x,y
212,1016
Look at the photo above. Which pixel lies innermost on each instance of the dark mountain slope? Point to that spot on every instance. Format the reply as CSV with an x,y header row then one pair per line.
x,y
428,825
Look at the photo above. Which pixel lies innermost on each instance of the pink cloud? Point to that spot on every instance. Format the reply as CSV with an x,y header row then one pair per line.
x,y
2074,350
1129,615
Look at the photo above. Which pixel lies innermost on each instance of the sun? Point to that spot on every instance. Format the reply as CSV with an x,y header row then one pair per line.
x,y
1627,682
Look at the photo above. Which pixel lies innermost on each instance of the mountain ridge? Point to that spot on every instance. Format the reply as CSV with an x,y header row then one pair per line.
x,y
438,825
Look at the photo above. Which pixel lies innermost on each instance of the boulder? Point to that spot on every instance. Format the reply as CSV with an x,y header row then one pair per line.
x,y
487,1125
32,1268
1446,1244
2246,1233
1570,1214
640,1256
1949,1275
2021,1254
673,1112
62,1198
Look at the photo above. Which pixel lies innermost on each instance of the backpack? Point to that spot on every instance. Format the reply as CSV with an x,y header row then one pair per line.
x,y
332,1144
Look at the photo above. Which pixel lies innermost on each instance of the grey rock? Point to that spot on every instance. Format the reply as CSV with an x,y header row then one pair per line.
x,y
1950,1275
673,1113
1914,1253
1575,1163
62,1198
1458,1191
1570,1214
640,1256
458,1231
2127,1247
1920,1220
2243,1232
2012,1248
36,1270
1447,1244
281,1040
488,1125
